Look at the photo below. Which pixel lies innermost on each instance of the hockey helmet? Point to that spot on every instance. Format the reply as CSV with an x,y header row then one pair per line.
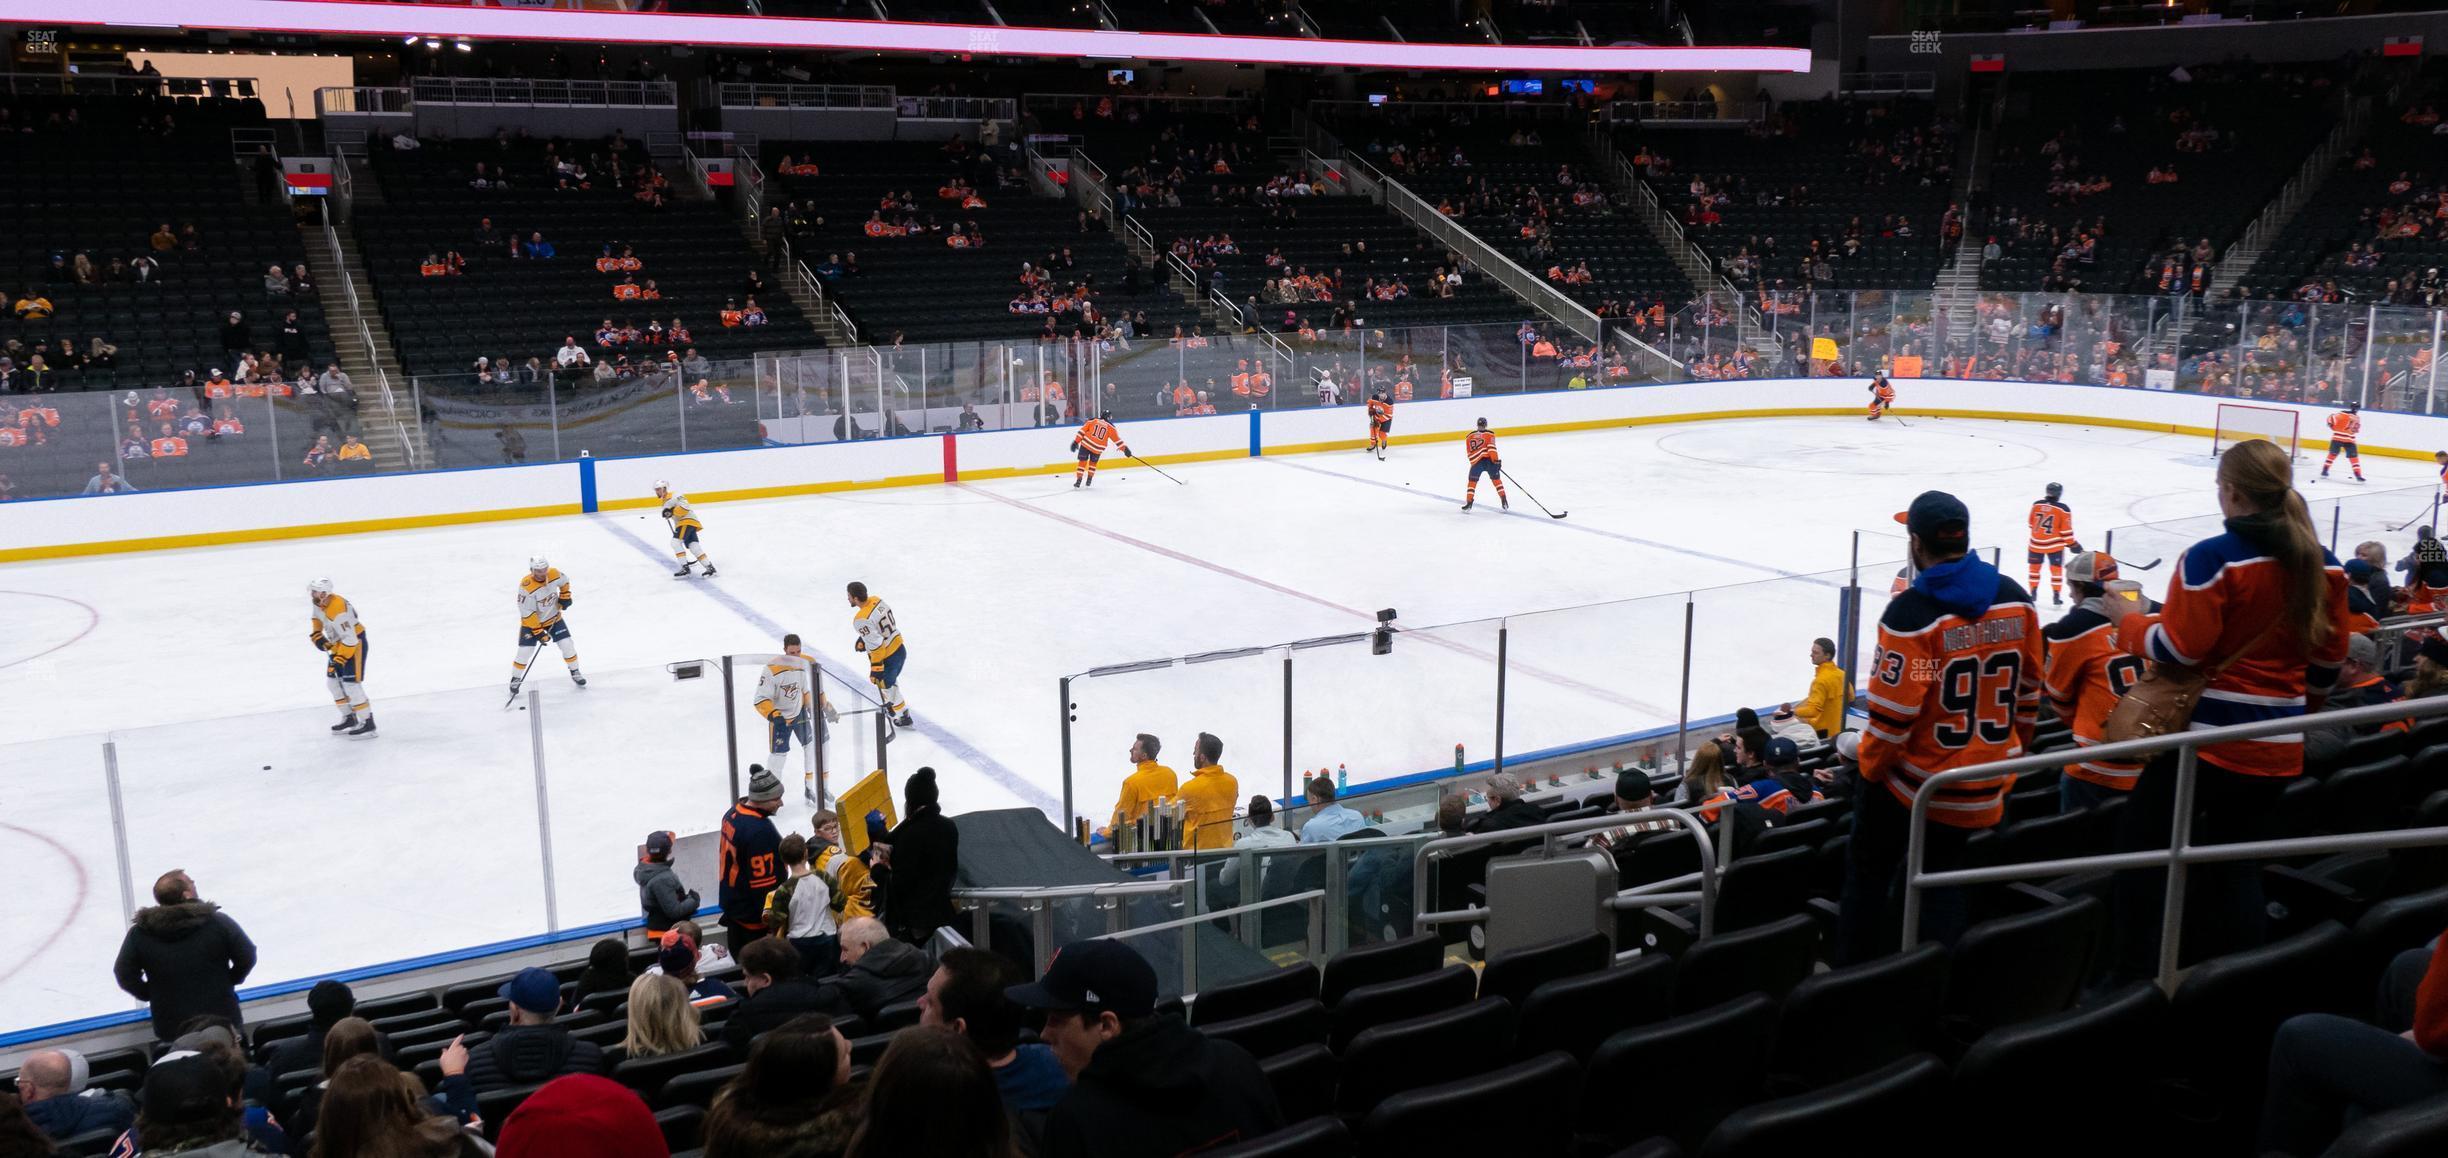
x,y
538,564
320,588
661,487
2056,489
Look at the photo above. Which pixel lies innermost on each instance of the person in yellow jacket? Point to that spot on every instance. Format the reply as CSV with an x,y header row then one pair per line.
x,y
1210,796
1148,782
853,889
1824,708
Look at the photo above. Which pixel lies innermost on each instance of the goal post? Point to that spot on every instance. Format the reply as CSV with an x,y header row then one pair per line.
x,y
2238,423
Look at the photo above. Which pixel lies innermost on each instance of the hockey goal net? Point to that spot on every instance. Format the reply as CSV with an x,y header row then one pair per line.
x,y
2238,423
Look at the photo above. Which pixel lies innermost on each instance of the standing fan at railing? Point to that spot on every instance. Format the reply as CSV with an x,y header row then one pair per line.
x,y
2255,626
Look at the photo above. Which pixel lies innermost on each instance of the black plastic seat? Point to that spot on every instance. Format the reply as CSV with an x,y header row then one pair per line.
x,y
1574,1014
2117,1043
1626,1099
1275,1031
2393,926
2367,797
695,1089
1422,1051
1304,1080
494,1106
1889,1105
2009,969
681,1126
646,1075
2228,1008
1514,973
2416,1131
1389,1001
1255,995
1384,961
1849,1021
1466,1116
1319,1137
1770,959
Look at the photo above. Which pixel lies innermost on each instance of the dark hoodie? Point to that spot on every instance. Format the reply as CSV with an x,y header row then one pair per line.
x,y
187,960
661,896
890,972
1162,1088
525,1055
925,861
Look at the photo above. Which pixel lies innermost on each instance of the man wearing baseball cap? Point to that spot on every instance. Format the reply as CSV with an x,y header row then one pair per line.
x,y
2088,670
1143,1082
531,1048
661,895
1955,683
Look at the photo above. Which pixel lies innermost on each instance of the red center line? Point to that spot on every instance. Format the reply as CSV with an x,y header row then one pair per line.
x,y
1559,680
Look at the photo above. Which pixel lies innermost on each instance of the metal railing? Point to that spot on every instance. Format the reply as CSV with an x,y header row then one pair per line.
x,y
957,108
1038,903
1642,896
1314,949
590,93
1488,259
1687,112
1886,83
363,101
739,95
365,335
116,84
2181,852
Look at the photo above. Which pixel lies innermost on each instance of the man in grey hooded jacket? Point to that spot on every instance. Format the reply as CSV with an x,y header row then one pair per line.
x,y
661,896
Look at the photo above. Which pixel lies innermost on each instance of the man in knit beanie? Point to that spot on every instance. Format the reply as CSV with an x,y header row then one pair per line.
x,y
751,858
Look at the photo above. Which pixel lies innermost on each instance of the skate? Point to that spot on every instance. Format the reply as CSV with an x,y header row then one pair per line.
x,y
1504,503
683,572
365,726
2056,599
2360,478
2324,472
345,725
1075,482
1091,480
576,678
1466,503
903,721
709,570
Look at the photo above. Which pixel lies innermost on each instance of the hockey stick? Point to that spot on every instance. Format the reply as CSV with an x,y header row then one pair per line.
x,y
1508,475
2145,566
2418,516
1157,469
520,680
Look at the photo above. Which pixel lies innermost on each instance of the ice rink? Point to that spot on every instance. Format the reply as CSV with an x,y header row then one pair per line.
x,y
334,853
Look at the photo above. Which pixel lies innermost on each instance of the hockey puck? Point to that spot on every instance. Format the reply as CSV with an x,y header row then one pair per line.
x,y
267,767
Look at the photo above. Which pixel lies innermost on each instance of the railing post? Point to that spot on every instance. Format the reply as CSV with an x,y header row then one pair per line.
x,y
2180,833
119,839
1288,794
1070,819
1501,633
1683,711
535,733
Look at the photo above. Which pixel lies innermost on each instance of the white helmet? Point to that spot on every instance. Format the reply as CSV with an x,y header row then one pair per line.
x,y
661,487
538,563
320,588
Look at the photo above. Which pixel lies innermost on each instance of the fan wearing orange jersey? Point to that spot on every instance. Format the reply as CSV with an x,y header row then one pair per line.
x,y
2088,671
1381,420
1480,446
2345,432
1094,436
1882,396
2052,533
1955,684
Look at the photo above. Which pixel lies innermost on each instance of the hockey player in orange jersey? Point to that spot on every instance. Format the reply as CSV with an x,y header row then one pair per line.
x,y
1480,446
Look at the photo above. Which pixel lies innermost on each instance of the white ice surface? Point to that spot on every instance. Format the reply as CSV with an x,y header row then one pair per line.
x,y
336,853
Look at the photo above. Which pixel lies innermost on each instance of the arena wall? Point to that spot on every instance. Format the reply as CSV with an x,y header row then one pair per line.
x,y
47,528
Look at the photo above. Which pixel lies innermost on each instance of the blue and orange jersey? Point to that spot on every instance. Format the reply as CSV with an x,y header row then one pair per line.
x,y
1096,434
1480,446
2087,673
2345,426
1952,689
1768,792
2052,526
1380,411
2224,596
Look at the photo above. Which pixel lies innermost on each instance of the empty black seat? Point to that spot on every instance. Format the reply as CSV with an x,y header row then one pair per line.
x,y
2012,968
1886,1108
1514,973
646,1075
1320,1137
681,1126
1385,961
1574,1014
2393,926
2228,1008
695,1089
494,1106
2416,1131
1422,1051
1255,995
1625,1100
1304,1080
1852,1020
1770,959
2116,1043
1276,1030
1465,1117
1395,1000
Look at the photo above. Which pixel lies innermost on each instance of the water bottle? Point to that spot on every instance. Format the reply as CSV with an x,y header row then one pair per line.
x,y
1342,780
1457,759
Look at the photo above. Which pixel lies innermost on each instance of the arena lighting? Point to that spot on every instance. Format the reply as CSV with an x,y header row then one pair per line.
x,y
349,17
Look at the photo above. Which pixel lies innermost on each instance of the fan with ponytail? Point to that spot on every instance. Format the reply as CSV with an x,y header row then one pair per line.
x,y
2261,475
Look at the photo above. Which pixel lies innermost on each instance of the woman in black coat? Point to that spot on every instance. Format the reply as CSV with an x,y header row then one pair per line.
x,y
919,864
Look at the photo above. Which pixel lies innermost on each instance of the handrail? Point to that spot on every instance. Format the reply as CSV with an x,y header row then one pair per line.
x,y
1687,112
1057,892
363,101
124,84
490,91
1881,83
365,335
1490,260
2181,852
1436,850
1314,900
738,95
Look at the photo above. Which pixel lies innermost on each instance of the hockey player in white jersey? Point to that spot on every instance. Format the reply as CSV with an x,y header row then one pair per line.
x,y
342,638
684,530
544,593
879,635
783,696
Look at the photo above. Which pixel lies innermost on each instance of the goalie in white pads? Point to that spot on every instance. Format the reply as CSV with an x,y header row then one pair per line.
x,y
879,635
783,696
684,530
342,639
544,593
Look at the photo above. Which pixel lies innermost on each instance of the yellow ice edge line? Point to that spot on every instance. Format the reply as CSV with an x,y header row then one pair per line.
x,y
409,522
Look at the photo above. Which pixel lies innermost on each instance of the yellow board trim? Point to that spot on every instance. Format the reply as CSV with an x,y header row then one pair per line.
x,y
409,522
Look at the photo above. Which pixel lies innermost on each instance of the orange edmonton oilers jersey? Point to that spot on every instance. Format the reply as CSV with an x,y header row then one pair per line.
x,y
1380,411
1884,392
2052,526
2225,591
1096,434
1480,446
2087,673
1951,691
2345,427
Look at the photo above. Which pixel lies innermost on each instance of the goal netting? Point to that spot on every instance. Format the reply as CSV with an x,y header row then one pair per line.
x,y
2237,423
